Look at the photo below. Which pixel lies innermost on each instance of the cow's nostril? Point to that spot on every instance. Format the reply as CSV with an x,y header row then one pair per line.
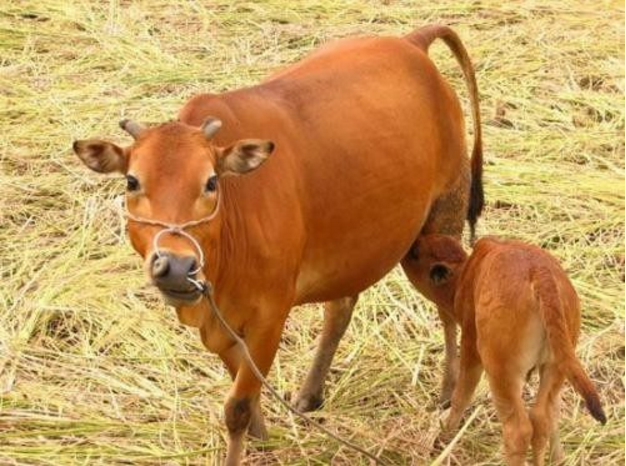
x,y
160,267
193,265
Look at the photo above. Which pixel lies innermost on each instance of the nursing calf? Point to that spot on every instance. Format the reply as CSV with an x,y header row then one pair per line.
x,y
518,312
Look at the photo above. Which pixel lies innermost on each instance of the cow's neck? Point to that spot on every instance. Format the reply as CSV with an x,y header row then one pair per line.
x,y
221,247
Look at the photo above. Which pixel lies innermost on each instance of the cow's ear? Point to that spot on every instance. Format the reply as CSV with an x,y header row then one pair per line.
x,y
243,156
101,156
440,273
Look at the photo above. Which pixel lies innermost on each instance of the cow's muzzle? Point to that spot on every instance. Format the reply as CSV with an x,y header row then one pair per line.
x,y
176,275
170,273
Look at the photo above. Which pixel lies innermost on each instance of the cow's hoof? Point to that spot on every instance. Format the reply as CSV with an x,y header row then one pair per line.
x,y
434,406
446,394
308,402
258,431
440,443
444,403
440,404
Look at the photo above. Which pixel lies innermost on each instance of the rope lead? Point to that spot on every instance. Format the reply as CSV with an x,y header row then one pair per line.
x,y
207,291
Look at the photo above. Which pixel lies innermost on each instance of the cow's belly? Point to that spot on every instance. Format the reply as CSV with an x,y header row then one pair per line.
x,y
361,243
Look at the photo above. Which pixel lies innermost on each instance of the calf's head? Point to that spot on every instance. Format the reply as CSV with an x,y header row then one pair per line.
x,y
172,176
436,263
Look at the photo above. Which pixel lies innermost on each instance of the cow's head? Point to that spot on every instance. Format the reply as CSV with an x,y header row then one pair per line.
x,y
435,264
172,173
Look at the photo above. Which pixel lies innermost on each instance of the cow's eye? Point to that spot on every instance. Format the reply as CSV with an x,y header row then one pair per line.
x,y
132,183
211,184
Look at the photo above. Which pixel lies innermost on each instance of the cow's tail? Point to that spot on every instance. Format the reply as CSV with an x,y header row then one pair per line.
x,y
425,36
551,310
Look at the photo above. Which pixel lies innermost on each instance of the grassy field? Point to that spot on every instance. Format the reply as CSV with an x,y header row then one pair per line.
x,y
94,369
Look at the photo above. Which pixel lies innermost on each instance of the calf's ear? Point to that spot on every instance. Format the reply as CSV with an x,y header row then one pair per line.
x,y
101,156
440,274
243,156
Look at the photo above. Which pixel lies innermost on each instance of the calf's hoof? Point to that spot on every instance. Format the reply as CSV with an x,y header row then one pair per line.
x,y
557,455
308,402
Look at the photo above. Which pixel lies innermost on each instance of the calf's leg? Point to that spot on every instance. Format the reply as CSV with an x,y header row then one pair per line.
x,y
556,449
506,389
544,415
337,316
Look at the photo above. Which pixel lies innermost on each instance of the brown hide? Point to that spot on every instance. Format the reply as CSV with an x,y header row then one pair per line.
x,y
367,135
519,312
361,139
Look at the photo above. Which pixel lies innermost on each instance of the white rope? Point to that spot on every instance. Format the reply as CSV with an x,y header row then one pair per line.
x,y
181,226
206,289
177,229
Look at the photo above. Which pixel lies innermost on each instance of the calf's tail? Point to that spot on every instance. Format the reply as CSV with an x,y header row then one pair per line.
x,y
553,316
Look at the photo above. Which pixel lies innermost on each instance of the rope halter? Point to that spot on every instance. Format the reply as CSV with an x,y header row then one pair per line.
x,y
178,229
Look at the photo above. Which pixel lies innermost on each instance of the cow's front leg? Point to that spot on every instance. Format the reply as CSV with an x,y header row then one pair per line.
x,y
451,369
232,359
240,402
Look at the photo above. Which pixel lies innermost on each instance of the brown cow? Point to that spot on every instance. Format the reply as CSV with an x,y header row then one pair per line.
x,y
518,312
367,151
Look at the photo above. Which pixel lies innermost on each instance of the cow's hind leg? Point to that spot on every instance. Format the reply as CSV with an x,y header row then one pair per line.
x,y
469,376
337,316
448,214
447,217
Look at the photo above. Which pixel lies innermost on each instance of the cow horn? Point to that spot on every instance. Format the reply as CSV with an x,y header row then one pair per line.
x,y
132,127
211,126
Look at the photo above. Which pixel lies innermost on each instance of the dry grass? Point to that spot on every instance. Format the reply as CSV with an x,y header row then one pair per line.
x,y
94,369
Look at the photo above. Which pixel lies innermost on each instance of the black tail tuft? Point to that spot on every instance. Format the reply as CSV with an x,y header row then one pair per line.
x,y
423,37
477,195
595,408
